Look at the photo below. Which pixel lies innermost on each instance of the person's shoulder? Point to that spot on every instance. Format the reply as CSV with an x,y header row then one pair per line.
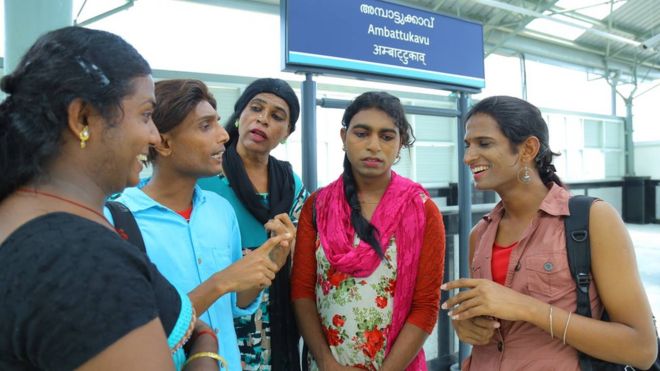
x,y
214,198
296,178
135,199
219,205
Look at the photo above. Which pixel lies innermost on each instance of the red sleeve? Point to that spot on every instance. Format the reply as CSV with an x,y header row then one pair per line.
x,y
303,272
426,300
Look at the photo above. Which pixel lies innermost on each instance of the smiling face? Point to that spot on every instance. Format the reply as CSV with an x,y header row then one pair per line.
x,y
488,153
372,143
195,147
129,139
263,123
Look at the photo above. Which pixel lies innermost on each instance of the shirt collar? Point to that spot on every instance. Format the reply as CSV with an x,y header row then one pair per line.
x,y
554,203
136,200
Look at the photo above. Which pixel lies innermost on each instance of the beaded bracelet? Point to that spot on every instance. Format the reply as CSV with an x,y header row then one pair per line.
x,y
216,356
189,332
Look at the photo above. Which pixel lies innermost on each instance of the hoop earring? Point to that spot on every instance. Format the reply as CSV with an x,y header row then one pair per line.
x,y
524,176
84,137
397,159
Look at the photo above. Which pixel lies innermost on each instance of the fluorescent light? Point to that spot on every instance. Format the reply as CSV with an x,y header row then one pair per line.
x,y
559,29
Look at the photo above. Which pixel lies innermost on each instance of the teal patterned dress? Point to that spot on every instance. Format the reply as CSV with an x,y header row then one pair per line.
x,y
253,332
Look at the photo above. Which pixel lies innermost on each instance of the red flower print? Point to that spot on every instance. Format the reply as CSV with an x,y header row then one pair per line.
x,y
338,320
326,286
381,301
374,342
335,277
363,282
333,336
391,287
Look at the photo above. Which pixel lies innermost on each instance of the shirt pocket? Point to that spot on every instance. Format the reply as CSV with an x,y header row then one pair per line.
x,y
222,257
548,276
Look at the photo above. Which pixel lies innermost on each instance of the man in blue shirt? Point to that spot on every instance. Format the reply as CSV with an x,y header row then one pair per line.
x,y
192,235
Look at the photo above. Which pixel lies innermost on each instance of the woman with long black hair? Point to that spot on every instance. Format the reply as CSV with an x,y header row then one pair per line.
x,y
370,250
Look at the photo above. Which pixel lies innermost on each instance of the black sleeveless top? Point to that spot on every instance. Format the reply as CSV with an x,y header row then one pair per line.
x,y
69,288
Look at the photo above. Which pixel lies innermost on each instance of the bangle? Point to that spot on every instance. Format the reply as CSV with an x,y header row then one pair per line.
x,y
205,331
216,356
566,328
552,331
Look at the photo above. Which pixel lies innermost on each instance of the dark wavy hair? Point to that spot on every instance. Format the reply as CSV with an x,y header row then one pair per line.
x,y
66,64
519,120
175,99
391,106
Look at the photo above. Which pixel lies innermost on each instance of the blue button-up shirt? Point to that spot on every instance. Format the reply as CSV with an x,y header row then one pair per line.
x,y
188,253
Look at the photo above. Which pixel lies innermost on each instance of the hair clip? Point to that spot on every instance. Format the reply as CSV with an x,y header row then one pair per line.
x,y
93,70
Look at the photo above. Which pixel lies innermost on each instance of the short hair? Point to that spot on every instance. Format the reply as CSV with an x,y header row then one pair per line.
x,y
175,99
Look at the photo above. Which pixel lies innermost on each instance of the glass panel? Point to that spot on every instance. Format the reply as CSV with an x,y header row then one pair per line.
x,y
592,133
434,164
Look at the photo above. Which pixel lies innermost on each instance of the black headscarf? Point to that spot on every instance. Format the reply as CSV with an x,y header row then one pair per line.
x,y
281,192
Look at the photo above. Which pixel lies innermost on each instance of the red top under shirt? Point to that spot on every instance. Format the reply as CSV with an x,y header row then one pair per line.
x,y
500,261
186,213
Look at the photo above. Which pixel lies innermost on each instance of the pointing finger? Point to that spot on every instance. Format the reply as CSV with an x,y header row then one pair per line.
x,y
272,242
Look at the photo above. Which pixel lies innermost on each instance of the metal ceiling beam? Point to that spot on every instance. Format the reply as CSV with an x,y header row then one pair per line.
x,y
519,28
86,22
531,13
574,56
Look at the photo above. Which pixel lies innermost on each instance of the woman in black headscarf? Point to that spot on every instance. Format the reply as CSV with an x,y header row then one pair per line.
x,y
260,187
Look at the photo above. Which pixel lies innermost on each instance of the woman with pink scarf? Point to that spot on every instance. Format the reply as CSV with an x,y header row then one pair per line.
x,y
370,252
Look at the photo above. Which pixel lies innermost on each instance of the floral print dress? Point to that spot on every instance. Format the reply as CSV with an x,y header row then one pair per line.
x,y
356,313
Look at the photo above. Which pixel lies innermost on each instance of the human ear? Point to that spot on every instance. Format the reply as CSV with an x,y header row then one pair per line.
x,y
342,134
164,148
81,117
529,149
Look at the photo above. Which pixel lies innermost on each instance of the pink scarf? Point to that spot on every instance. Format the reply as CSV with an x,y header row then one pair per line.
x,y
399,213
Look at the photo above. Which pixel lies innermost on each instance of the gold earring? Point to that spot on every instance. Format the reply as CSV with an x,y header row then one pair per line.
x,y
84,137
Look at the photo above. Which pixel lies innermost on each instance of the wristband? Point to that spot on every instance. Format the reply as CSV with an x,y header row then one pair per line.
x,y
205,331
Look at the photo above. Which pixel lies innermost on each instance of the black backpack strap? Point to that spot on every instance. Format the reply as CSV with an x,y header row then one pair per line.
x,y
579,256
125,224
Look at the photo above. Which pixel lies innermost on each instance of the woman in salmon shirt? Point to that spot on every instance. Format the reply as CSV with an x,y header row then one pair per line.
x,y
517,311
370,251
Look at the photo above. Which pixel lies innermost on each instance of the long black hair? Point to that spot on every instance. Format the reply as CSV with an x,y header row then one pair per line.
x,y
392,106
62,65
519,120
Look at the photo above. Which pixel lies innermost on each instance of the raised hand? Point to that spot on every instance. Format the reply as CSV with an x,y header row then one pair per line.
x,y
256,270
281,224
485,298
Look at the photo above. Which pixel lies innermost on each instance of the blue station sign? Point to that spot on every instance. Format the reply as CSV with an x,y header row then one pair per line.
x,y
384,39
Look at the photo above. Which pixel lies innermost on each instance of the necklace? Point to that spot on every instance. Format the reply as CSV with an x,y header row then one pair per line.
x,y
51,195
